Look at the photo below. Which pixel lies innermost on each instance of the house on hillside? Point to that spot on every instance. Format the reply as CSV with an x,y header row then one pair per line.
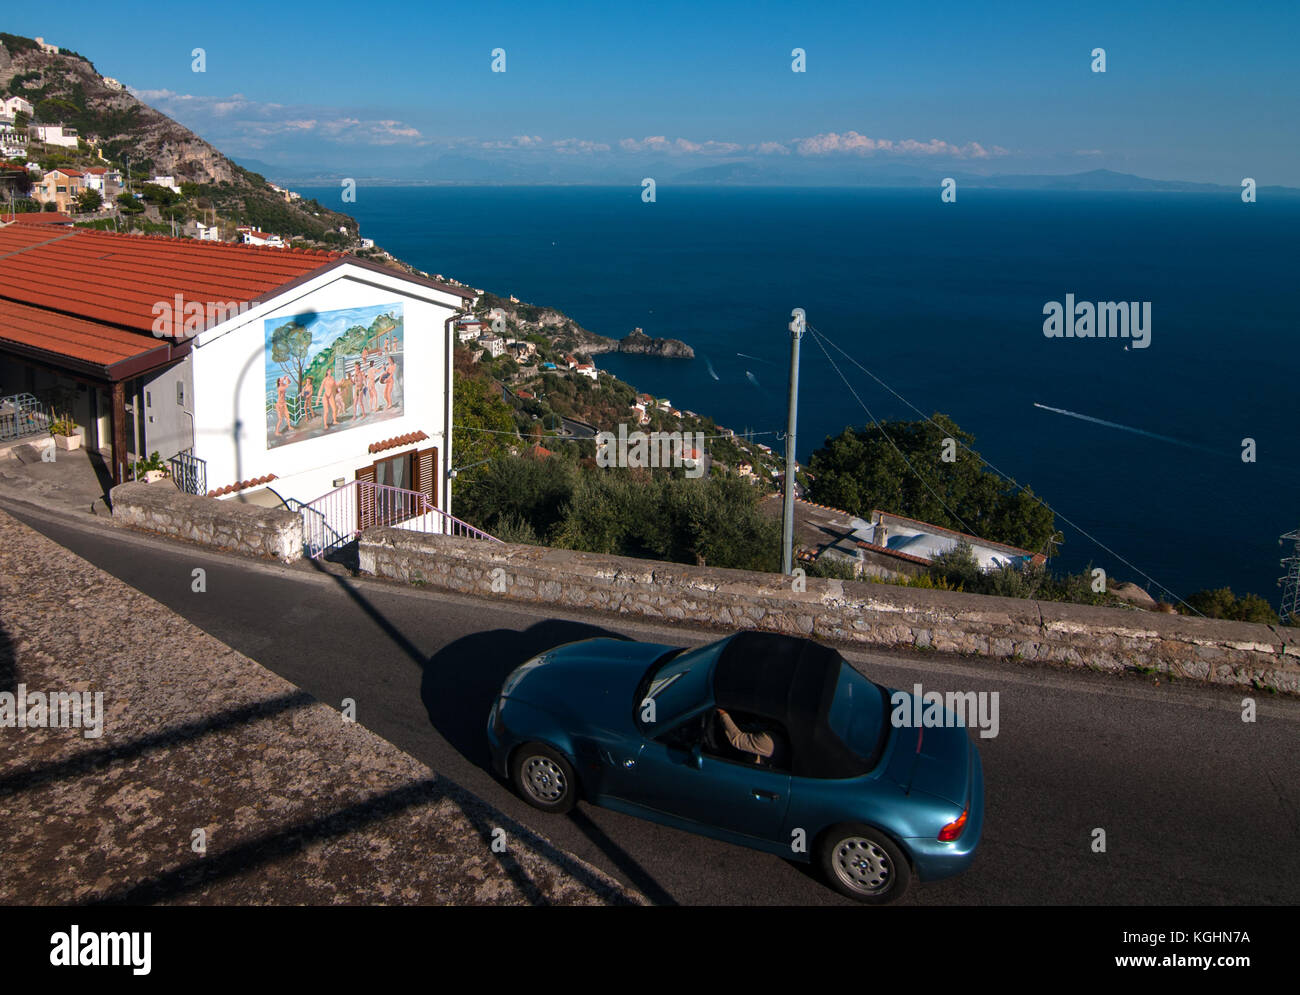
x,y
17,105
60,187
255,236
53,134
263,373
13,143
586,370
107,182
495,345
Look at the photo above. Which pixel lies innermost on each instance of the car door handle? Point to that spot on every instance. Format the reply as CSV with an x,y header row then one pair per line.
x,y
765,796
608,757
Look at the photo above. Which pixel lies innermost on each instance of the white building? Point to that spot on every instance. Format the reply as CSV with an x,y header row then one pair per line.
x,y
304,368
255,236
13,143
45,47
53,134
17,105
108,182
207,233
493,344
166,181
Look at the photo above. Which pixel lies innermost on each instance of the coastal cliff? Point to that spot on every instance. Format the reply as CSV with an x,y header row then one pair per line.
x,y
638,343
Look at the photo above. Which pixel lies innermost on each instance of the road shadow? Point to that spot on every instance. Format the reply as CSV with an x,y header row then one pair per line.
x,y
461,680
8,662
104,474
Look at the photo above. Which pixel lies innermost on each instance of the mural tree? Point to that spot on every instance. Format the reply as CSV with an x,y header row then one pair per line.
x,y
290,346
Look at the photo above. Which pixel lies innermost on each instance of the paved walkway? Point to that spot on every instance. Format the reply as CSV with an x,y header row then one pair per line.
x,y
72,482
295,805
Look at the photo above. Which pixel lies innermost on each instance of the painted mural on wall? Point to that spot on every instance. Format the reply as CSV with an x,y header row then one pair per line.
x,y
331,371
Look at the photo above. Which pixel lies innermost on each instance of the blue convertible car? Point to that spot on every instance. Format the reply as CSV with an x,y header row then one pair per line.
x,y
765,740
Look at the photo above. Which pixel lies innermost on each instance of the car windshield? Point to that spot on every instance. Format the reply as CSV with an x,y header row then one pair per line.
x,y
857,714
676,684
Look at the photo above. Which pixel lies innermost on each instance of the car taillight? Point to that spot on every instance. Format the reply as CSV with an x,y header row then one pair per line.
x,y
951,831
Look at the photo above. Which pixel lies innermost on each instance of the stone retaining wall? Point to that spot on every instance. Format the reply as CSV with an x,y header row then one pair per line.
x,y
1109,639
228,525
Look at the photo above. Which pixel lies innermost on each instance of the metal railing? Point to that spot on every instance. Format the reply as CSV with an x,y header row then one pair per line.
x,y
413,511
189,473
335,519
23,414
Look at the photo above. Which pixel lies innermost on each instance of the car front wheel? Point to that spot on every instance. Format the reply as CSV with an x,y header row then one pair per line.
x,y
863,863
543,778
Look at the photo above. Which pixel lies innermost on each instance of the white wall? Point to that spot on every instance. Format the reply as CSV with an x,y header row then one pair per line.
x,y
229,387
166,424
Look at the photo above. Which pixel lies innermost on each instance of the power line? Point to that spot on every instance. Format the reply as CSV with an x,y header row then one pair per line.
x,y
1019,486
817,338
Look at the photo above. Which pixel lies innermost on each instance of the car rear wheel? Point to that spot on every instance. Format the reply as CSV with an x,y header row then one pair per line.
x,y
543,778
863,863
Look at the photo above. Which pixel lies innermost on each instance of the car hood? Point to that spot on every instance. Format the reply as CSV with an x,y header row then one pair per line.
x,y
932,759
592,681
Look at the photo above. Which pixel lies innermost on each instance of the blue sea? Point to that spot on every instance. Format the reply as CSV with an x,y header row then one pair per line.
x,y
943,302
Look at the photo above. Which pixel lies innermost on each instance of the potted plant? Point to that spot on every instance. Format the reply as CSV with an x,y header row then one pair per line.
x,y
151,470
65,433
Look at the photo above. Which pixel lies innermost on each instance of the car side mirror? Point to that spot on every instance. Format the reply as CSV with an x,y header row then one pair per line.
x,y
697,757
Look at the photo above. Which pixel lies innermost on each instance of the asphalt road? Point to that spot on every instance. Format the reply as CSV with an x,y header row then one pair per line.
x,y
1197,806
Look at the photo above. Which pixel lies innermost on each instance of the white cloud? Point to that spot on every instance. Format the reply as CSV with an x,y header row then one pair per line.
x,y
850,142
256,121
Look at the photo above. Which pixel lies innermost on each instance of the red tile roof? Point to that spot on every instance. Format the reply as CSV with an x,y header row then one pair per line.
x,y
243,485
114,278
36,332
38,218
398,440
117,279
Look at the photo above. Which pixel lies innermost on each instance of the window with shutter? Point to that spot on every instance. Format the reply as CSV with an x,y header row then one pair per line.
x,y
426,474
365,498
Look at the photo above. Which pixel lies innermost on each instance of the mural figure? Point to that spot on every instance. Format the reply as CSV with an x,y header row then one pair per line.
x,y
337,362
281,403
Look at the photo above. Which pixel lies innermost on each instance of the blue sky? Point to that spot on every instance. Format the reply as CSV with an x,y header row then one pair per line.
x,y
1193,90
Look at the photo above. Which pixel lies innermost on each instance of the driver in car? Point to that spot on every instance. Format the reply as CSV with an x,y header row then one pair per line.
x,y
760,744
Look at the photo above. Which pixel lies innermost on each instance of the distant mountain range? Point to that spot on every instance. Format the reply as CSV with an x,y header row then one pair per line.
x,y
470,170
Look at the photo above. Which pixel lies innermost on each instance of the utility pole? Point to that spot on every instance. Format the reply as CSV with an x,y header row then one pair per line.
x,y
1291,582
787,517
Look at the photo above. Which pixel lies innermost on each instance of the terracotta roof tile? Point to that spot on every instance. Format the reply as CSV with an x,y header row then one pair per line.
x,y
243,485
399,440
40,218
117,279
72,338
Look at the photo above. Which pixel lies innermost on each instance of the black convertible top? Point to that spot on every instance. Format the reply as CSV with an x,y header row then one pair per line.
x,y
792,681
